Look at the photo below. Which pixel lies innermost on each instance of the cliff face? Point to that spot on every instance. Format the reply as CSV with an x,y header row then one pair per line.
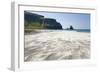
x,y
45,23
31,17
52,24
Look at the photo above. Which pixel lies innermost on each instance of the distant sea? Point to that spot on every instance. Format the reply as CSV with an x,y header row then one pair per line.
x,y
77,30
82,30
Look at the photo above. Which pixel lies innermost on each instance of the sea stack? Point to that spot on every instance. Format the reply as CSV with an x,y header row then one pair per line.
x,y
71,28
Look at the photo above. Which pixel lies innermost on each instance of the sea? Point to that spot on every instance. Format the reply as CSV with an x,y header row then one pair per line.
x,y
77,30
82,30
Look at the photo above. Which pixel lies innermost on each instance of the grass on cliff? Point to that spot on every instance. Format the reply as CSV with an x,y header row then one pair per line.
x,y
29,27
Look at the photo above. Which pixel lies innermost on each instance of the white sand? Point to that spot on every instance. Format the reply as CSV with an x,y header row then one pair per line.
x,y
57,45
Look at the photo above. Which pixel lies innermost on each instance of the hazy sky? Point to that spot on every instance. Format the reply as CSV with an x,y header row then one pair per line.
x,y
77,20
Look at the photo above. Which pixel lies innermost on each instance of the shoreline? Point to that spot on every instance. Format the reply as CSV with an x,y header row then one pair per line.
x,y
35,31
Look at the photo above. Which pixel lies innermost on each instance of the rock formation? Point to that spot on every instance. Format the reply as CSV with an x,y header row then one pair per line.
x,y
71,28
45,23
31,17
51,24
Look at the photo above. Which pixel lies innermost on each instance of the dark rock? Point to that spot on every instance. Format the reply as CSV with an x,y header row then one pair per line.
x,y
52,24
71,28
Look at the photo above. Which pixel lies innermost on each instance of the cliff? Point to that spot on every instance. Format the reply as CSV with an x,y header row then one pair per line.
x,y
52,24
32,20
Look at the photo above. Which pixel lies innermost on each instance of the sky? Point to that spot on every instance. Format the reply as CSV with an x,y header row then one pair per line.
x,y
77,20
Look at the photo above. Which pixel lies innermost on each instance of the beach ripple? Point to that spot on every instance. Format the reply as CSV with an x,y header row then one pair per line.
x,y
65,45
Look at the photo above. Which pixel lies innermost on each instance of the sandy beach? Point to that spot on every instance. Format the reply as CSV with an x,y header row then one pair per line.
x,y
57,45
